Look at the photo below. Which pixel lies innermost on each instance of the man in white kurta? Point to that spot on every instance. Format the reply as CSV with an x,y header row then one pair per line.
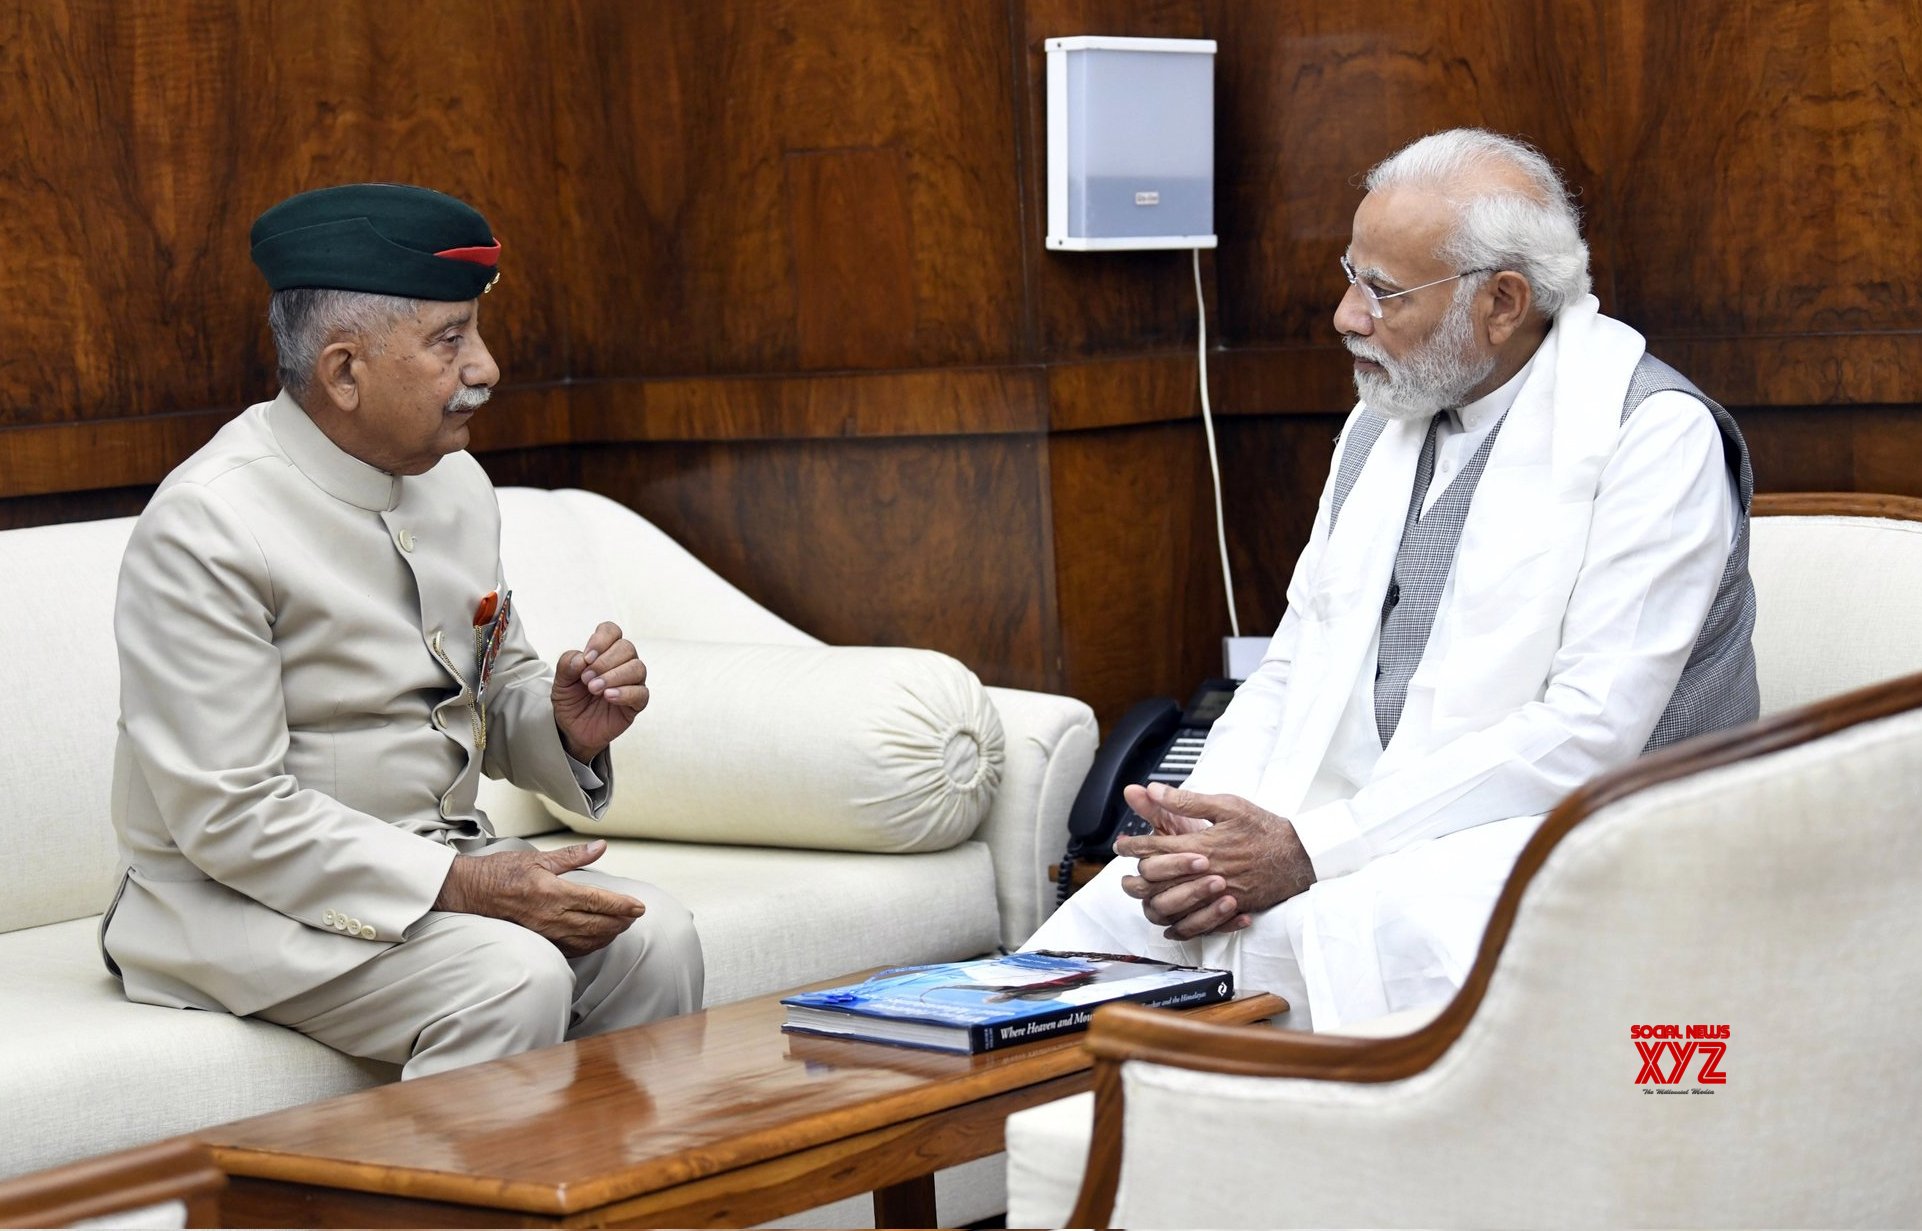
x,y
1340,842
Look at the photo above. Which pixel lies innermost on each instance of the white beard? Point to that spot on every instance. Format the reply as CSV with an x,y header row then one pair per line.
x,y
1435,376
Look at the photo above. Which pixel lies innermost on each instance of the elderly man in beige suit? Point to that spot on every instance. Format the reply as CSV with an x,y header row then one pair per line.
x,y
319,658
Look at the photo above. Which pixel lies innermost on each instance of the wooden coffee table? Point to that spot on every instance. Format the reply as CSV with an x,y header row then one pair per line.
x,y
712,1119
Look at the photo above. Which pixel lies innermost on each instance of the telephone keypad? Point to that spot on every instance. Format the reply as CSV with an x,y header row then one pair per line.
x,y
1179,761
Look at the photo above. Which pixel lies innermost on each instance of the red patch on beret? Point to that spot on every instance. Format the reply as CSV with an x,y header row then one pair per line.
x,y
489,256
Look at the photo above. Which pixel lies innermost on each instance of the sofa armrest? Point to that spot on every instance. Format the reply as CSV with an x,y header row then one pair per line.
x,y
1050,742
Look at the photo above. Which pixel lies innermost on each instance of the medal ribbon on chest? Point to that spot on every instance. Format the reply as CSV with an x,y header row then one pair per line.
x,y
492,619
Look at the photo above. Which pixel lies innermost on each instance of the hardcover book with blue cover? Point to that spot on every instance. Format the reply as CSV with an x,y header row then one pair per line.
x,y
997,1001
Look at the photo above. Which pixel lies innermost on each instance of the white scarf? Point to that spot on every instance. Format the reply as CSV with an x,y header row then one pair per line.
x,y
1499,623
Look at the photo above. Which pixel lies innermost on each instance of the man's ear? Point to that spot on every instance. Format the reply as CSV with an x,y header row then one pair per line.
x,y
1513,301
337,373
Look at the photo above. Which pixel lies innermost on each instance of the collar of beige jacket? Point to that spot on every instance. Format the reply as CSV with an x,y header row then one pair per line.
x,y
338,473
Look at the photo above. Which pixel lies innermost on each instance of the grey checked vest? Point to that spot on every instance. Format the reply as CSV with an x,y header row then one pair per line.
x,y
1717,688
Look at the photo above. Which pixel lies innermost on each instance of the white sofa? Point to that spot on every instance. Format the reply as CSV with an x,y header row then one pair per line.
x,y
83,1072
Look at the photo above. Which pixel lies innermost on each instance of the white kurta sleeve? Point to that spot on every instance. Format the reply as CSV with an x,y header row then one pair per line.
x,y
1663,525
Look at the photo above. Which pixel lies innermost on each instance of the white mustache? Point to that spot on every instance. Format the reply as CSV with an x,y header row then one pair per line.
x,y
470,397
1361,348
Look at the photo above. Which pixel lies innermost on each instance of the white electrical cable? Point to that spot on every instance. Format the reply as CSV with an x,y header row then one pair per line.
x,y
1214,461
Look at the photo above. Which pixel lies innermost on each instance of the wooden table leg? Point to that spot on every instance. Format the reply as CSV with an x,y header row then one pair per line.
x,y
907,1204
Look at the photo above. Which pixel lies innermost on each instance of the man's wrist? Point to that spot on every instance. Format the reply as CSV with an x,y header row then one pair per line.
x,y
1331,839
453,890
573,749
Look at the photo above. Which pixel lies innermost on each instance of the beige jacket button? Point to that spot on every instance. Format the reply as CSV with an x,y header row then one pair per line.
x,y
406,540
366,931
353,927
328,918
340,923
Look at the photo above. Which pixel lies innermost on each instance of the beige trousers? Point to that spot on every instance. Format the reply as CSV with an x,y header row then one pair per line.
x,y
466,988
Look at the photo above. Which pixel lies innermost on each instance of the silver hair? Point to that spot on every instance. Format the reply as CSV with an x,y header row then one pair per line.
x,y
1537,233
307,320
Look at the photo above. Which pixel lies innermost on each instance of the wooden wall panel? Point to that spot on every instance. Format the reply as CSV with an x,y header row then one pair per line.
x,y
144,137
1141,601
1834,448
676,122
48,510
1769,187
942,544
1888,450
853,280
1273,469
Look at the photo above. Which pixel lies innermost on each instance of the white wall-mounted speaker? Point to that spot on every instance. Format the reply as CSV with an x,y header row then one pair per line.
x,y
1131,143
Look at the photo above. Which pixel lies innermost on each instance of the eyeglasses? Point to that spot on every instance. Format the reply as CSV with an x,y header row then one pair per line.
x,y
1373,297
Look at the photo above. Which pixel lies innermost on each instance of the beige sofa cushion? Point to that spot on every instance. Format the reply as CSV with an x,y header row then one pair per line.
x,y
86,1072
1838,604
816,747
57,714
773,919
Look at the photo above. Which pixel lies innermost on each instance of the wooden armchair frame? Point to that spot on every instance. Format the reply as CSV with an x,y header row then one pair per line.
x,y
1120,1033
1835,504
175,1170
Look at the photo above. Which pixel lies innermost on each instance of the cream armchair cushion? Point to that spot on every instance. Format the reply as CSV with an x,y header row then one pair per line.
x,y
1838,593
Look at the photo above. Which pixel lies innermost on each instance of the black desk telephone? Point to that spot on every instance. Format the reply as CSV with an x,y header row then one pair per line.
x,y
1155,741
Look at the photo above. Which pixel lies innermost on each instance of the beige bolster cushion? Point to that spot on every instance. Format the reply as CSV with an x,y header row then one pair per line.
x,y
836,748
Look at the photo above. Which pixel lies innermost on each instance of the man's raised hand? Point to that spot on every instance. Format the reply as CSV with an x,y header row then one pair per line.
x,y
525,887
1213,879
597,692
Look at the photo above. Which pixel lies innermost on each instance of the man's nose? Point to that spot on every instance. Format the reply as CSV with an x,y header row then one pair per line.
x,y
1351,314
480,368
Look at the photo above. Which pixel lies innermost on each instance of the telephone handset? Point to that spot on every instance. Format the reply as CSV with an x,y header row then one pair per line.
x,y
1155,741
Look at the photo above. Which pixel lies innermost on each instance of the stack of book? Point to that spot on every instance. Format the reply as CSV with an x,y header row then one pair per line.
x,y
995,1002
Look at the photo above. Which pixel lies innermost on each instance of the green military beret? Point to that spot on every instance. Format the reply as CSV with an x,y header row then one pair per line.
x,y
391,239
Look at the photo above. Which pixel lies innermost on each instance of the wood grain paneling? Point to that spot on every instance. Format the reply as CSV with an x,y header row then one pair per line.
x,y
1798,370
1769,186
52,509
145,137
1834,448
1118,392
1140,591
931,402
942,544
853,281
1276,380
1272,470
51,458
676,122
